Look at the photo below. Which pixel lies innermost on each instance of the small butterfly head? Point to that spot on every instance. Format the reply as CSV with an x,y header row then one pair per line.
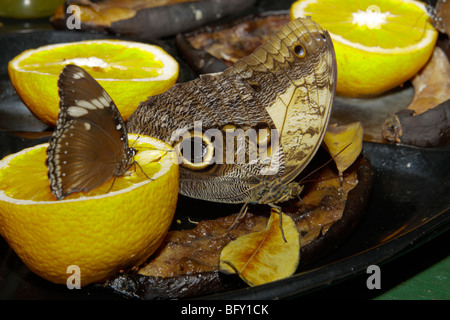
x,y
294,190
131,152
127,162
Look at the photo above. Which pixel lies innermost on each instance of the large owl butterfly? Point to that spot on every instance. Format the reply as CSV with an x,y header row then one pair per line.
x,y
90,143
284,89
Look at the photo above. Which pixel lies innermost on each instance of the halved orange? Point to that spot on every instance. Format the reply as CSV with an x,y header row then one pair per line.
x,y
100,232
379,44
129,71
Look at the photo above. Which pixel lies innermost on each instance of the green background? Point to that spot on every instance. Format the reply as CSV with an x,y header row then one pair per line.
x,y
422,273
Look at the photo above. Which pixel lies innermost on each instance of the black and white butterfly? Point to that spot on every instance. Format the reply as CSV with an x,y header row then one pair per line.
x,y
90,143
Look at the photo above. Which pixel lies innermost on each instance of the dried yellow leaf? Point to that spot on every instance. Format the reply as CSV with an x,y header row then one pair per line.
x,y
344,143
264,256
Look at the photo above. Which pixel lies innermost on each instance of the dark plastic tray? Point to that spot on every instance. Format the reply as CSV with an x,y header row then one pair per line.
x,y
409,204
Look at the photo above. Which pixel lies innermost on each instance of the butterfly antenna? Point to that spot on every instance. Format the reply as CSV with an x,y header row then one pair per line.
x,y
325,164
134,141
135,163
152,148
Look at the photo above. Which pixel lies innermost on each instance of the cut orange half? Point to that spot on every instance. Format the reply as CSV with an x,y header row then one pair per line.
x,y
379,44
99,232
129,71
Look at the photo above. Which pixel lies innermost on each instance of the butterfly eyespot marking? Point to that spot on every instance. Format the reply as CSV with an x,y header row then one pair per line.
x,y
299,51
195,150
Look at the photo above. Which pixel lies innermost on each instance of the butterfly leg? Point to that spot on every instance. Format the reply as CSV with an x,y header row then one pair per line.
x,y
240,215
112,184
137,164
280,212
341,184
302,204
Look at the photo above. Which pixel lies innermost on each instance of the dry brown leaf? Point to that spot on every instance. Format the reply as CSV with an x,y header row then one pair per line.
x,y
344,143
432,83
264,256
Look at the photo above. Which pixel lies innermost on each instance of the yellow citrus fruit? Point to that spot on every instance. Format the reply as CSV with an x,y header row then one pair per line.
x,y
129,71
379,44
99,232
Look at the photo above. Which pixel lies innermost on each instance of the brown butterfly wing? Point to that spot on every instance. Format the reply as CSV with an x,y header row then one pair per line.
x,y
440,15
90,144
287,84
300,104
